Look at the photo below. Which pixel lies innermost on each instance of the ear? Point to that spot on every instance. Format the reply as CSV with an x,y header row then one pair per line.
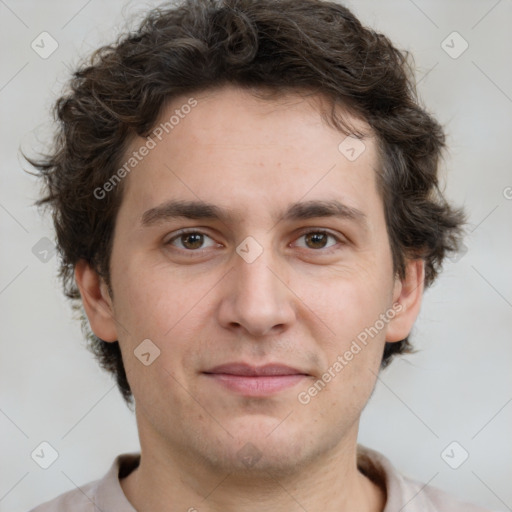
x,y
97,301
408,293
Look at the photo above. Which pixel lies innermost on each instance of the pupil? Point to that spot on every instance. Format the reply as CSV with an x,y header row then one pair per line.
x,y
318,240
193,240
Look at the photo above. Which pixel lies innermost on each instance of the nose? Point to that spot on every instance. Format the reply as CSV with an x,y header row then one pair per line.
x,y
257,301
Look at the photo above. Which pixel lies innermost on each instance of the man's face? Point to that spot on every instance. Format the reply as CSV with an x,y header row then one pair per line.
x,y
274,280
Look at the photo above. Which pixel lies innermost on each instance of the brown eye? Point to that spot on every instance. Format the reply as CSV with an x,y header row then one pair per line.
x,y
191,241
316,240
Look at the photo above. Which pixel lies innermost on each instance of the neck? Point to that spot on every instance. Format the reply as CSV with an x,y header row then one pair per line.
x,y
167,481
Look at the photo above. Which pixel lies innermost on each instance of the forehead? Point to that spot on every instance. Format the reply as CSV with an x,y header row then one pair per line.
x,y
235,149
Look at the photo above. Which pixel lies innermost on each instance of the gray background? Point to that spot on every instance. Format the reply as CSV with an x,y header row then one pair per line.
x,y
457,388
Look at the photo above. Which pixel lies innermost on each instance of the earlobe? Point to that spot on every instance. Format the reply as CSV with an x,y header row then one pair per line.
x,y
96,301
408,294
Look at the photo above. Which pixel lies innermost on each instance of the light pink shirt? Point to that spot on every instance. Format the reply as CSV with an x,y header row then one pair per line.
x,y
403,494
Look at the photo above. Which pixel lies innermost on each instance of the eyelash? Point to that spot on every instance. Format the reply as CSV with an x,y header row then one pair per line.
x,y
305,233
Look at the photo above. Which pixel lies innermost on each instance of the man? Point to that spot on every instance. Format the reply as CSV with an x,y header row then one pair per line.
x,y
246,204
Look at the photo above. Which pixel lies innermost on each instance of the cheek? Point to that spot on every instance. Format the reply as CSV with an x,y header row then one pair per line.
x,y
347,302
148,298
354,352
172,313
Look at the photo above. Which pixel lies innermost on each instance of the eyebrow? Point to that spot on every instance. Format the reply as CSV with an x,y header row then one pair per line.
x,y
297,211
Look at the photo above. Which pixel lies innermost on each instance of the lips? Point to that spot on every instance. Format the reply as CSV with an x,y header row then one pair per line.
x,y
255,381
244,369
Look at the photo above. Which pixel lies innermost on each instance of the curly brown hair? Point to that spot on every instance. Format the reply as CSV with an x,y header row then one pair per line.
x,y
273,45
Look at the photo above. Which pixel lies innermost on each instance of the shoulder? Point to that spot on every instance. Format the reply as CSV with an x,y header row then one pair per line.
x,y
103,494
78,500
404,493
429,498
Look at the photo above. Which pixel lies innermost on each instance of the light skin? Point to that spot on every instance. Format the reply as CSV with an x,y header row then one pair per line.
x,y
300,303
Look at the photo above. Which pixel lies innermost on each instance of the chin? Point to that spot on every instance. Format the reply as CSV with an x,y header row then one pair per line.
x,y
258,458
262,446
